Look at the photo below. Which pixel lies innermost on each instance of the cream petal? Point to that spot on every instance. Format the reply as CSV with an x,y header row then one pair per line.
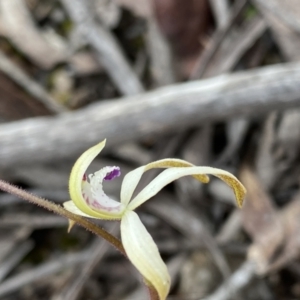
x,y
143,253
172,174
129,184
71,207
132,178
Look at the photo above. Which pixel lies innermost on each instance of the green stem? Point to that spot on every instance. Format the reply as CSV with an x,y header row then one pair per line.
x,y
9,188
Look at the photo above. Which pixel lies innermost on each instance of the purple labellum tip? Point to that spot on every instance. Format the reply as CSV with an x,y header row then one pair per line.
x,y
116,172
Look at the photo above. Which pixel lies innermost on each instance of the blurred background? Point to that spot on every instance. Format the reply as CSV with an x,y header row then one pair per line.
x,y
214,82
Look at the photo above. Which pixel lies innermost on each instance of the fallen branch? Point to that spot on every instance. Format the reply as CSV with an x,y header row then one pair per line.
x,y
166,109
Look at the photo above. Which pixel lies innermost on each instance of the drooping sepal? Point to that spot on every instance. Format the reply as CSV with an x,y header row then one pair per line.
x,y
172,174
143,253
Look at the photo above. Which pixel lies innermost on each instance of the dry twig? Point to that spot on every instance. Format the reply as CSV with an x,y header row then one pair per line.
x,y
220,9
217,39
106,46
238,280
28,84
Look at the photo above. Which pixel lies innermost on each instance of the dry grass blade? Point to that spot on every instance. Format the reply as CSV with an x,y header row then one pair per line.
x,y
97,251
260,219
235,46
286,38
160,54
230,228
289,216
238,280
191,226
46,269
207,55
15,257
11,238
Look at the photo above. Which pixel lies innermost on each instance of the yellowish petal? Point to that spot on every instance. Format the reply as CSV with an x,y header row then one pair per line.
x,y
143,253
237,187
132,178
176,163
75,185
71,207
129,184
172,174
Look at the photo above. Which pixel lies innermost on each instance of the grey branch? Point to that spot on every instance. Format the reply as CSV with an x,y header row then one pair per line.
x,y
166,109
106,46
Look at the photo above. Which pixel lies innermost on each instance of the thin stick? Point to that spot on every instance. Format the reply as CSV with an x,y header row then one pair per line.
x,y
107,48
218,37
221,11
28,84
238,280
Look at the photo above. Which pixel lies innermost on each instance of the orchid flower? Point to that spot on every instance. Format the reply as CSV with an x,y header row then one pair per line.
x,y
89,200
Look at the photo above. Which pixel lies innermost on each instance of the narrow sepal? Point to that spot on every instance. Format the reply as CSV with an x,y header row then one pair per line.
x,y
143,253
172,174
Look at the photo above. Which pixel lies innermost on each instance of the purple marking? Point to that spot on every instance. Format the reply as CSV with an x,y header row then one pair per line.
x,y
116,172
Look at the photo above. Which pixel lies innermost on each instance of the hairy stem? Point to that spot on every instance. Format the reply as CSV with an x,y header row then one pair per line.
x,y
9,188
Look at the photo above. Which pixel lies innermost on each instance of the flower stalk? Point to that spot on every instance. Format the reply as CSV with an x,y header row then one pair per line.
x,y
85,223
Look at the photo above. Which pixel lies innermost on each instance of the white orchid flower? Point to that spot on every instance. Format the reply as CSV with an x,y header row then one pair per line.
x,y
89,200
